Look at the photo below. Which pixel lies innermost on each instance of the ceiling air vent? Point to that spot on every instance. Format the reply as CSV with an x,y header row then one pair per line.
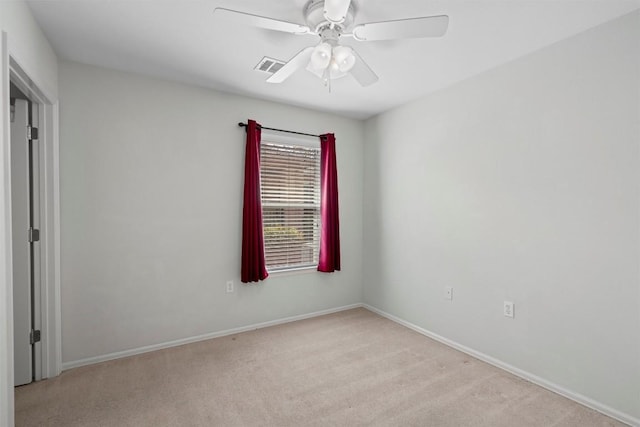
x,y
269,65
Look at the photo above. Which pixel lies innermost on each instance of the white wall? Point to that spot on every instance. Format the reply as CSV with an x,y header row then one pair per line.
x,y
520,184
29,47
151,200
6,288
23,40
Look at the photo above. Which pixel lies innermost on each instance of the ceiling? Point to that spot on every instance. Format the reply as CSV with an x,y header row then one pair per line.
x,y
180,40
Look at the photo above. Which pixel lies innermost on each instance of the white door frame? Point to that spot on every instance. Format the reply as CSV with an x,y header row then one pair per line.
x,y
49,233
24,295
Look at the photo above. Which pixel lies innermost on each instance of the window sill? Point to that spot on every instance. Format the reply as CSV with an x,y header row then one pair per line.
x,y
293,271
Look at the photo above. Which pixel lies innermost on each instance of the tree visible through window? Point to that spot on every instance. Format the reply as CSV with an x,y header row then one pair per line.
x,y
290,188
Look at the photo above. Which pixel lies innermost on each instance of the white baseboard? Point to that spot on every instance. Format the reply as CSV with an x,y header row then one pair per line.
x,y
576,397
175,343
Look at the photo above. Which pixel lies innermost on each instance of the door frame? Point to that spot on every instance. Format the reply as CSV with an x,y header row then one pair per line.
x,y
26,270
49,204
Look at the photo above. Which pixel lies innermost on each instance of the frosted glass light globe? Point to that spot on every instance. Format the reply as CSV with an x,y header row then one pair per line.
x,y
344,58
321,56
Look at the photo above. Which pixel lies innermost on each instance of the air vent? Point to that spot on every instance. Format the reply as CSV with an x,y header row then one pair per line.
x,y
269,65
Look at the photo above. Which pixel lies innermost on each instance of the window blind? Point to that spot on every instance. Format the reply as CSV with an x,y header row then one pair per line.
x,y
290,189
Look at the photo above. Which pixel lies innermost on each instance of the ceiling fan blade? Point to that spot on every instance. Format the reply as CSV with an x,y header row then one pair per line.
x,y
362,72
336,10
260,21
301,59
426,26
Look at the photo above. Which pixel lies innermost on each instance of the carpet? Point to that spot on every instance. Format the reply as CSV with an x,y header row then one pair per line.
x,y
352,368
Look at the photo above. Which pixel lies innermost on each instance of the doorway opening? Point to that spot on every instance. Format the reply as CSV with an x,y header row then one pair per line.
x,y
34,228
25,229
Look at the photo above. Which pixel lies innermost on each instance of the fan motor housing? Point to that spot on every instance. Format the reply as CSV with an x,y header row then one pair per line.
x,y
314,17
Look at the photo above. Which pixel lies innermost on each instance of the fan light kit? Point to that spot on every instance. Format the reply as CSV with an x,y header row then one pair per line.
x,y
331,20
329,60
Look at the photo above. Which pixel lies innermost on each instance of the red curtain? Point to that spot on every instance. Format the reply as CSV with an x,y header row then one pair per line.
x,y
253,263
330,232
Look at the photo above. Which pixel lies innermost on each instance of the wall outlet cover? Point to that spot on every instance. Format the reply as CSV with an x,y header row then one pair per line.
x,y
448,293
509,308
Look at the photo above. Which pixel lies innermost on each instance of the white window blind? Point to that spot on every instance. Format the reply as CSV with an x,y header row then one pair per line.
x,y
290,188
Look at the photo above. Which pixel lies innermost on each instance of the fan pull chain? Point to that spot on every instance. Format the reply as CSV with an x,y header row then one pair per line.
x,y
326,78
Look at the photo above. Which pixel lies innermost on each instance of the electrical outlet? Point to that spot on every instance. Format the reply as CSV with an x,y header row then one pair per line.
x,y
508,309
230,286
448,293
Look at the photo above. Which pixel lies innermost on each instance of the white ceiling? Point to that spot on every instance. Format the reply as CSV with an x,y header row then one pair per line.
x,y
181,40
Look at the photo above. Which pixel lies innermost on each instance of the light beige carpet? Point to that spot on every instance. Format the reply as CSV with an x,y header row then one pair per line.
x,y
345,369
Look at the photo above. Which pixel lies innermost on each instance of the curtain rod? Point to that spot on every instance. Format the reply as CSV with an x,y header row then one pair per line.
x,y
244,125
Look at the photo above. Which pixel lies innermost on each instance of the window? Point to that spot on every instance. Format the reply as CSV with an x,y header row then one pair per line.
x,y
290,190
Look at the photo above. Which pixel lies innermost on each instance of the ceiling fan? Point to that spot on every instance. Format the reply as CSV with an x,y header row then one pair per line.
x,y
331,20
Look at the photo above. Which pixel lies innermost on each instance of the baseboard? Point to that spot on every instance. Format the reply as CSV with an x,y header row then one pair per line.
x,y
576,397
183,341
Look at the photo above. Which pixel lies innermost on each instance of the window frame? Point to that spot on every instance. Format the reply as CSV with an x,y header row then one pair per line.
x,y
302,141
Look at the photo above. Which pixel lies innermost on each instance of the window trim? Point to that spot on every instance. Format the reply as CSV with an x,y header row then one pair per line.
x,y
279,138
302,141
293,271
